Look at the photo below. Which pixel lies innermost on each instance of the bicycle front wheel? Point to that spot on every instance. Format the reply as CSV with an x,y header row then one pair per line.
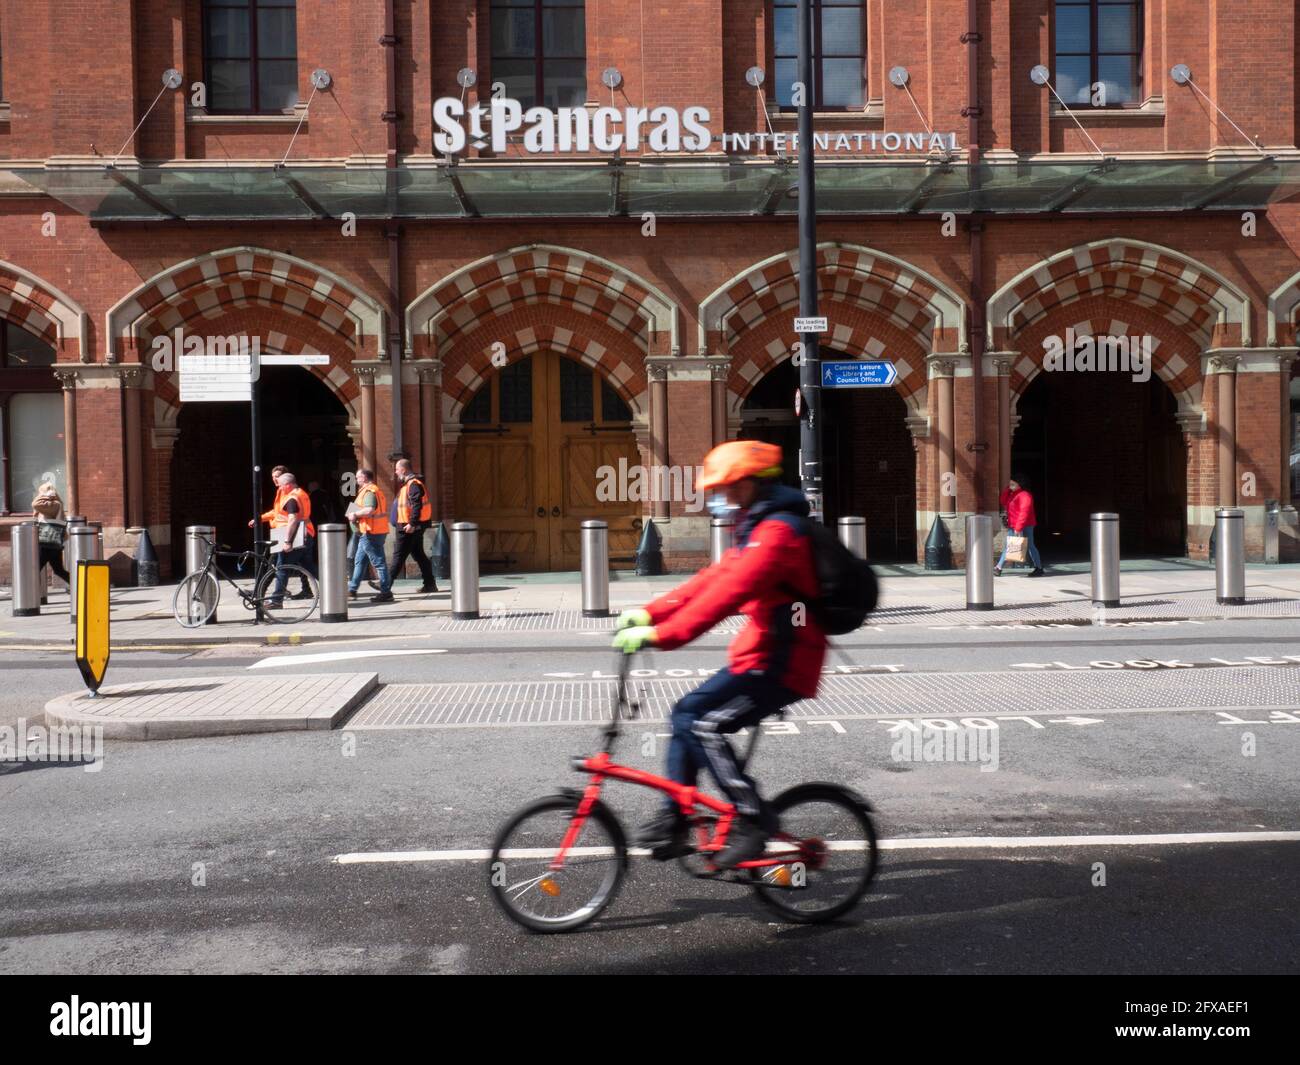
x,y
300,595
827,833
521,873
196,599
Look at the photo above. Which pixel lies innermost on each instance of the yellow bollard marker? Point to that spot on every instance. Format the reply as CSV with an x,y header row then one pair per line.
x,y
92,622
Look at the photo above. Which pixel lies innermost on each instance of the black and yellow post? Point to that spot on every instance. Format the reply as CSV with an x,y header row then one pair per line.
x,y
92,622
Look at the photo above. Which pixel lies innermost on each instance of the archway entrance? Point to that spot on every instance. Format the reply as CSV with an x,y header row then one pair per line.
x,y
1102,442
542,444
304,427
870,463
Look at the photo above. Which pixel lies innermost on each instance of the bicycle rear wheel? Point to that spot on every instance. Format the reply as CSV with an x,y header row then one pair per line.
x,y
827,831
196,599
300,595
543,899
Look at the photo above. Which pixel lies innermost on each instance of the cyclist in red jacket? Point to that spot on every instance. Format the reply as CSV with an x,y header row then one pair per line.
x,y
769,575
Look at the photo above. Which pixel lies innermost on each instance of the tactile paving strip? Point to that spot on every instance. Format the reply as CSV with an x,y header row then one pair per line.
x,y
875,695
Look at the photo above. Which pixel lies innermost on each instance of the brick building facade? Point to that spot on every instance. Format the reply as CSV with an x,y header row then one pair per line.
x,y
1119,202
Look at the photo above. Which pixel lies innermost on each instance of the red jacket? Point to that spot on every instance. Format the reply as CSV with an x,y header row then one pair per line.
x,y
770,568
1019,507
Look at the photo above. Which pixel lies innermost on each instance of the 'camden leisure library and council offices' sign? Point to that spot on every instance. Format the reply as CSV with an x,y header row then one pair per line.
x,y
653,129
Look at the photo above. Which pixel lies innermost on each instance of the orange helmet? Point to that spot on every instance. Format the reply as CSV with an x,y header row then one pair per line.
x,y
737,459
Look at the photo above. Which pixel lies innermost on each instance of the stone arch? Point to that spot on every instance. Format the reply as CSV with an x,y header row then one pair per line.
x,y
44,311
1176,286
213,284
533,274
905,295
1283,303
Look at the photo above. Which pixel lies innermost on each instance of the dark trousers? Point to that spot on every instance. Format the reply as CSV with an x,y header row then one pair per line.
x,y
702,720
52,555
411,544
297,557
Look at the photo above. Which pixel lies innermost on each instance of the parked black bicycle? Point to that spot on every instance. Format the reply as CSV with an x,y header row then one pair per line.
x,y
198,594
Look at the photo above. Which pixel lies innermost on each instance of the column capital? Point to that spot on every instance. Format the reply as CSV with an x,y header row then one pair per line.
x,y
130,374
917,424
655,371
67,377
720,369
1190,421
1221,362
999,362
365,375
941,366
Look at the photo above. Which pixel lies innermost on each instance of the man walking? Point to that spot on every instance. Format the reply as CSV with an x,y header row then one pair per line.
x,y
414,513
293,509
277,518
372,527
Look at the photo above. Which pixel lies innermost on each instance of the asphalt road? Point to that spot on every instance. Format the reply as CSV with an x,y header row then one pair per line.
x,y
218,855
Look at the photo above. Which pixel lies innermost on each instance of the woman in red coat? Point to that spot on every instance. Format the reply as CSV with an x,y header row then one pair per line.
x,y
1018,503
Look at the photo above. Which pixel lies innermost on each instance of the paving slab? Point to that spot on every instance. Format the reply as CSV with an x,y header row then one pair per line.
x,y
215,706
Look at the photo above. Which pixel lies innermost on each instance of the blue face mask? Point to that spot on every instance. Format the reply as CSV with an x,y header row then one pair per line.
x,y
721,507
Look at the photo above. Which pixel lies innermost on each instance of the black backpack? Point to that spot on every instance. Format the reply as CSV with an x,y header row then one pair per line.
x,y
848,585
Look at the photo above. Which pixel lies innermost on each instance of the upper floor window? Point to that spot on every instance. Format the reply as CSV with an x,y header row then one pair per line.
x,y
539,51
838,52
250,55
1098,48
21,350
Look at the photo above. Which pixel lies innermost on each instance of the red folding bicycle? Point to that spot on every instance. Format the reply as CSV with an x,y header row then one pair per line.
x,y
560,860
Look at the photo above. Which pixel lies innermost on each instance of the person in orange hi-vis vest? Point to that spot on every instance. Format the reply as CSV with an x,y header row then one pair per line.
x,y
275,518
293,511
372,525
414,513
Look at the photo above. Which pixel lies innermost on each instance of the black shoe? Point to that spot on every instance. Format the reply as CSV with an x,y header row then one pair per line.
x,y
997,571
1037,573
665,836
746,841
353,593
425,589
272,606
304,594
383,597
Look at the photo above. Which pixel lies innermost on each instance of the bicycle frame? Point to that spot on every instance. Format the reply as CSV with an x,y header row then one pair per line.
x,y
262,564
688,797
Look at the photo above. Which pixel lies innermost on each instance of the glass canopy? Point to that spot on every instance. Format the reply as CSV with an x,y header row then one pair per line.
x,y
704,188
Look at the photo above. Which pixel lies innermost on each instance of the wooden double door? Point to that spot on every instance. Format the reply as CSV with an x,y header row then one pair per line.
x,y
540,450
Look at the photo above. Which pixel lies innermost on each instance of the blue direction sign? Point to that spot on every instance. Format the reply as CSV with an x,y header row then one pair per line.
x,y
858,374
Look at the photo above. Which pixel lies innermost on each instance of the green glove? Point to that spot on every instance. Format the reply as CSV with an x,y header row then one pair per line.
x,y
629,618
629,641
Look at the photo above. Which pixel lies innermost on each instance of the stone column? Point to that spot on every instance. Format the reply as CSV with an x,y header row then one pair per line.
x,y
720,370
366,379
132,378
1002,368
941,374
1224,369
68,378
657,374
430,442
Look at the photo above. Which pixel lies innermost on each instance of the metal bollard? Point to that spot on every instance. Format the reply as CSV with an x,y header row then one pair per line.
x,y
25,557
196,552
853,535
1104,534
1230,561
979,562
332,571
73,519
83,544
595,569
464,571
1272,529
722,534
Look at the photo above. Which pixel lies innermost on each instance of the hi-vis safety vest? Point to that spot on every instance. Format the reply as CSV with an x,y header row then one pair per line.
x,y
304,510
378,521
273,515
404,503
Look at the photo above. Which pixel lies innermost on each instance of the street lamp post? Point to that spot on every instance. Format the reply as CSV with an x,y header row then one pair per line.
x,y
810,429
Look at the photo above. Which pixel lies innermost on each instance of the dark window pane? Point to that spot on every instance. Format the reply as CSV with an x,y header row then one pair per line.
x,y
1117,28
277,84
841,83
478,411
24,349
228,36
575,392
1073,28
783,79
785,32
842,31
276,3
612,407
565,83
230,85
517,392
277,33
1072,74
514,33
1120,76
563,33
519,77
514,3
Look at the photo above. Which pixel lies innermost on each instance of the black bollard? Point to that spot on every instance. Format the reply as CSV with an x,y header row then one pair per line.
x,y
441,557
144,566
649,552
938,548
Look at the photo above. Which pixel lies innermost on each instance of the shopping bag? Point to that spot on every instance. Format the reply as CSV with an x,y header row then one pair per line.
x,y
1017,548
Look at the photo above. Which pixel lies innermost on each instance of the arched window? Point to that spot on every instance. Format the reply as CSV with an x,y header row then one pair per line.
x,y
839,49
1098,52
539,51
31,420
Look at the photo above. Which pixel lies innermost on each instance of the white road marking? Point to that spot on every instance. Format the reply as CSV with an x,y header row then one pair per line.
x,y
276,661
1169,839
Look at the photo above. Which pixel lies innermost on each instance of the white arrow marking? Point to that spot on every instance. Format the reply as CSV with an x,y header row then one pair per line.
x,y
338,656
564,674
1073,720
1030,665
